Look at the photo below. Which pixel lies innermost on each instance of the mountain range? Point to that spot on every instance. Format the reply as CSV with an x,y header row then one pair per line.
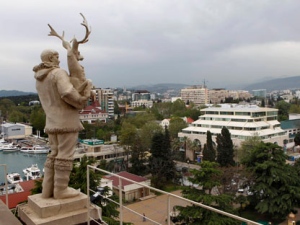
x,y
270,85
291,83
10,93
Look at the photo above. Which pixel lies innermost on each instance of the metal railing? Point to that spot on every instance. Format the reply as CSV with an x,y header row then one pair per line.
x,y
6,186
170,196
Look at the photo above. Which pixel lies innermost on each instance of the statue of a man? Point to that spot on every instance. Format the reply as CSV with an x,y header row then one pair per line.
x,y
61,102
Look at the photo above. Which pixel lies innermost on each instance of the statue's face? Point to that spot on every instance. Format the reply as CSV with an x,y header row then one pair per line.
x,y
55,59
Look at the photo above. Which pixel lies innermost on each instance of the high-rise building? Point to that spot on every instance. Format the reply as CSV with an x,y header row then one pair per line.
x,y
105,99
199,95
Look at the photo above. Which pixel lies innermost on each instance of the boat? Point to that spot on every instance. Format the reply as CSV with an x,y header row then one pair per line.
x,y
9,148
4,143
14,178
32,172
36,149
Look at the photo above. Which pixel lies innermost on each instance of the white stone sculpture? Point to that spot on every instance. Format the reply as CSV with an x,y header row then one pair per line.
x,y
76,70
61,96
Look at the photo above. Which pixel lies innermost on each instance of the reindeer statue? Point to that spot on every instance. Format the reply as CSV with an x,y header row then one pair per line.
x,y
77,74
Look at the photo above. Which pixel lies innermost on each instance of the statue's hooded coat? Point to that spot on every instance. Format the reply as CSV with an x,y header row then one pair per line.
x,y
59,100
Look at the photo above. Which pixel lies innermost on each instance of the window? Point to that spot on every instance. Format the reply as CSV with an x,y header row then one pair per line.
x,y
226,113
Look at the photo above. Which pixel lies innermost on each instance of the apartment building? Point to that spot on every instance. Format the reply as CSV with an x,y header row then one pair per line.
x,y
199,95
105,99
261,93
141,95
143,103
218,95
239,94
242,121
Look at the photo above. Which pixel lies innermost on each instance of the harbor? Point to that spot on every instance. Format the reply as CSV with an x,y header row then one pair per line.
x,y
17,161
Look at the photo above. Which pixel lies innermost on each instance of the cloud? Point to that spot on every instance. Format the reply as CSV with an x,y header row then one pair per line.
x,y
142,42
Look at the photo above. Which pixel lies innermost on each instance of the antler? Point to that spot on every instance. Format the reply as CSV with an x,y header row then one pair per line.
x,y
87,31
66,44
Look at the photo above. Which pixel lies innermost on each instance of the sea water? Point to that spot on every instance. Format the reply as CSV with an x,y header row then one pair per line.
x,y
17,161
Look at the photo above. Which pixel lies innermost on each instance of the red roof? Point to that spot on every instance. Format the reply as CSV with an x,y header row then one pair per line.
x,y
16,198
127,175
189,120
93,109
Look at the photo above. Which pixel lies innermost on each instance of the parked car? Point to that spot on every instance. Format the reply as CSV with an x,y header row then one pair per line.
x,y
241,190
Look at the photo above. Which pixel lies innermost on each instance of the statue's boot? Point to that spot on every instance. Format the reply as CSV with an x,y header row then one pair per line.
x,y
48,181
63,169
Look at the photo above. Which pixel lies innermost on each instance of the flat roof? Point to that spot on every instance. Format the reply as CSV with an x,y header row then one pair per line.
x,y
235,107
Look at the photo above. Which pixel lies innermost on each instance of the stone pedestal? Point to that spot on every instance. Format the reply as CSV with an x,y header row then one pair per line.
x,y
70,211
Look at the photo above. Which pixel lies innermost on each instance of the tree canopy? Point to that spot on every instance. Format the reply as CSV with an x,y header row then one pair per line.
x,y
283,110
276,186
161,163
225,151
206,178
209,152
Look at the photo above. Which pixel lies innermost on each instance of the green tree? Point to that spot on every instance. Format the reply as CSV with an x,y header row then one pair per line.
x,y
38,118
176,125
16,117
283,110
246,147
295,108
6,106
117,110
225,148
140,119
277,184
208,177
162,110
127,137
78,175
147,131
297,139
161,162
178,108
138,157
194,113
176,146
209,152
127,134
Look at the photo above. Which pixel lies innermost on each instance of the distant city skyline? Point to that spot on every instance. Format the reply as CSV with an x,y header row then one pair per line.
x,y
226,43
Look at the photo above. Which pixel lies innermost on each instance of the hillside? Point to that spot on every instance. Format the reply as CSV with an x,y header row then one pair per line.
x,y
174,89
6,93
276,84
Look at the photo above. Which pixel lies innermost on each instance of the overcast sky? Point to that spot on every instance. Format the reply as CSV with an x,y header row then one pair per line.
x,y
223,42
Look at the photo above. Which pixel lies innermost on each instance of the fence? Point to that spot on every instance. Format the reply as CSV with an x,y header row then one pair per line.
x,y
157,210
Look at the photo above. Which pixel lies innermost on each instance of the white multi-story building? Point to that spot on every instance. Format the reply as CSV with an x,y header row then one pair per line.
x,y
239,94
105,99
218,95
242,121
197,95
144,103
